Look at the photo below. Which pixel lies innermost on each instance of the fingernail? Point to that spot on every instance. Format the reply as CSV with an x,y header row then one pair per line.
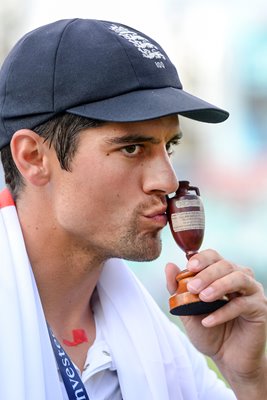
x,y
194,285
208,321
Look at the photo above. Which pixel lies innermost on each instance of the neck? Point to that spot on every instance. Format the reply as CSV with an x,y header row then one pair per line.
x,y
66,298
66,286
66,274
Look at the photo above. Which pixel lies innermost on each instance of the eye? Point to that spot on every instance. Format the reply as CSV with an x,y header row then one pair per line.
x,y
131,149
170,146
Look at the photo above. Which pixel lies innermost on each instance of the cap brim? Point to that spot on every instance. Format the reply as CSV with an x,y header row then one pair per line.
x,y
149,104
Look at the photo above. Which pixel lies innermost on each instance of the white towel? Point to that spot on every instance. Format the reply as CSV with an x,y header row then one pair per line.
x,y
151,355
27,365
151,360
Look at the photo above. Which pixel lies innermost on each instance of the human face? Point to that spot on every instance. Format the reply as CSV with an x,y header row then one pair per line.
x,y
113,202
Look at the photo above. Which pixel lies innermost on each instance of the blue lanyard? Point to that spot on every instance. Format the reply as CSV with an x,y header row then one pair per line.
x,y
72,381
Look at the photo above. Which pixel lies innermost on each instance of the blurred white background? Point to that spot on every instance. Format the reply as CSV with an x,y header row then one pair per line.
x,y
220,50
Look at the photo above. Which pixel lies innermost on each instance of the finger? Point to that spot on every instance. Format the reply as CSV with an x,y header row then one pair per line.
x,y
171,271
215,272
236,282
244,306
202,260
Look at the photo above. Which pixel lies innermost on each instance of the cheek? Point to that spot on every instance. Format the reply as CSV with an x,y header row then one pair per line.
x,y
111,182
100,184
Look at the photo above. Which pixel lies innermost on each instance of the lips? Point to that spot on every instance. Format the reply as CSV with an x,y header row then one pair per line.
x,y
158,216
155,213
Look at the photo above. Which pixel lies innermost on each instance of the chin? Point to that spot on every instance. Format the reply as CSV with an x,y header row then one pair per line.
x,y
148,253
138,247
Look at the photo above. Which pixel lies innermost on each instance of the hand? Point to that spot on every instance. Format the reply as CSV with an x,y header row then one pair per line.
x,y
234,336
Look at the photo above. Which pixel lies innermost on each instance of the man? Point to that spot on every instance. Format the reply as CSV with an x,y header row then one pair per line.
x,y
89,118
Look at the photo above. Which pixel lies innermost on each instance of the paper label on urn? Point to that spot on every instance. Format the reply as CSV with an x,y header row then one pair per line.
x,y
188,203
187,220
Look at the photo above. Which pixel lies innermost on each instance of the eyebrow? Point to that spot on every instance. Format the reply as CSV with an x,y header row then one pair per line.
x,y
136,138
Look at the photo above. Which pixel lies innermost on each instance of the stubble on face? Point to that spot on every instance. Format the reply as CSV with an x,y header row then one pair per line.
x,y
146,248
134,241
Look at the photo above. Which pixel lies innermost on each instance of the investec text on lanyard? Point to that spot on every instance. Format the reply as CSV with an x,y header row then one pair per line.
x,y
72,381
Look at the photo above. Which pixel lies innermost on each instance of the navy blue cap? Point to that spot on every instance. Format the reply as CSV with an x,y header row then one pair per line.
x,y
96,69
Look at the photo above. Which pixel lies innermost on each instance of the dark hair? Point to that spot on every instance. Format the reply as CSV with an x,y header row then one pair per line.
x,y
61,132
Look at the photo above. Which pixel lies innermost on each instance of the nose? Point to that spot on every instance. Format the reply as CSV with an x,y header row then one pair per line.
x,y
160,177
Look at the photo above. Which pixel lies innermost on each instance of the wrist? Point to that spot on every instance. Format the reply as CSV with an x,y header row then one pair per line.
x,y
251,385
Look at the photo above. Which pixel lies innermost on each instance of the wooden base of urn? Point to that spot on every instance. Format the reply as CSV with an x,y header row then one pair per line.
x,y
186,303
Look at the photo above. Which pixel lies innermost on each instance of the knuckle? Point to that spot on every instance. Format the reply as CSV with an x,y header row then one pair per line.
x,y
244,279
229,267
215,255
259,285
260,288
248,271
209,256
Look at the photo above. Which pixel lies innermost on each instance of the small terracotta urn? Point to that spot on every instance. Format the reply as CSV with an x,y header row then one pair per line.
x,y
187,222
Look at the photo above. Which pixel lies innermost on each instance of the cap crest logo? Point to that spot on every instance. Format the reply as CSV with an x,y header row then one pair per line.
x,y
147,49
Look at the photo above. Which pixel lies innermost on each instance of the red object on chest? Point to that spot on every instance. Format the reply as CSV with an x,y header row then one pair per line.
x,y
79,336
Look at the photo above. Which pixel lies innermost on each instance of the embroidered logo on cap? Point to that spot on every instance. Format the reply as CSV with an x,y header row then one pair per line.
x,y
147,49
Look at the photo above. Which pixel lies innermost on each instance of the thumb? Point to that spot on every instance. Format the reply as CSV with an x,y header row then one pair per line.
x,y
171,271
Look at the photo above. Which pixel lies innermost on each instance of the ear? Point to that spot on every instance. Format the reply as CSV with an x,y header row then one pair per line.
x,y
30,156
